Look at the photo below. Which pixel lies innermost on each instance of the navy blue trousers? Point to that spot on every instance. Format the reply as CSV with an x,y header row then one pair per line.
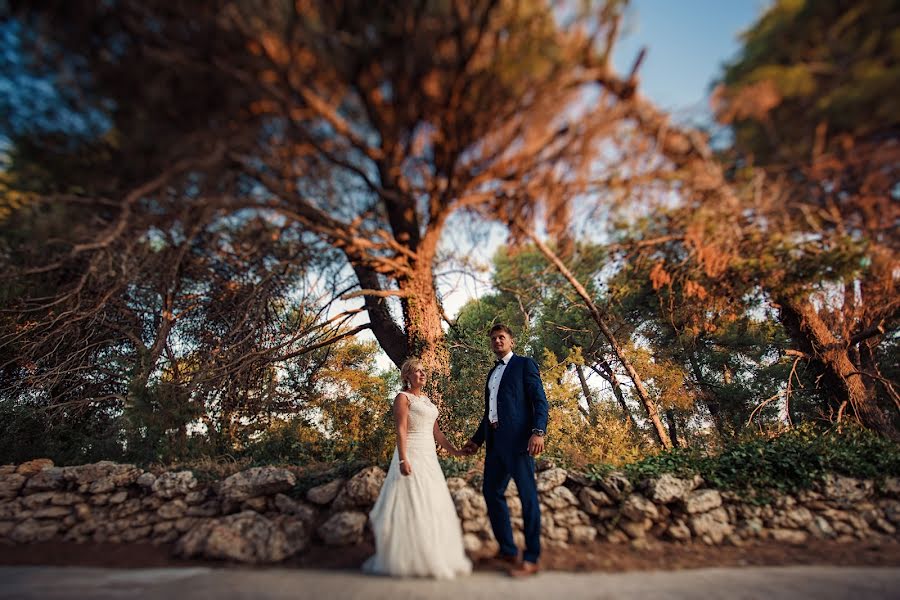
x,y
498,470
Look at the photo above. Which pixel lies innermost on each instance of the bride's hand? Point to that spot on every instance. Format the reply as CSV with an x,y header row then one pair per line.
x,y
469,448
405,468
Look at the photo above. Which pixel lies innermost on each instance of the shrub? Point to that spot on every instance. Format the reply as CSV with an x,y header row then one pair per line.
x,y
29,431
787,462
457,467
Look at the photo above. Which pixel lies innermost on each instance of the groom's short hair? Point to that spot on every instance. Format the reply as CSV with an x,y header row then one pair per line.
x,y
503,328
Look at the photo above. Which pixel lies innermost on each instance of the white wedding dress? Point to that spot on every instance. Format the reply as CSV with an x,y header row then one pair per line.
x,y
417,531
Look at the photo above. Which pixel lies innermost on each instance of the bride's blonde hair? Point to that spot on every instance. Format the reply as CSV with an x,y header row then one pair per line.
x,y
409,365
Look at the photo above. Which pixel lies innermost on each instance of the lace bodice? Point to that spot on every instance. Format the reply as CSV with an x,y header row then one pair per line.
x,y
422,414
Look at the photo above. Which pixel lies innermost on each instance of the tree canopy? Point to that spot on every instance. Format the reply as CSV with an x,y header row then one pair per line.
x,y
213,201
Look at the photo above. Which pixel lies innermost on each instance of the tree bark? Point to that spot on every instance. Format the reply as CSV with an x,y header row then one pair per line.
x,y
422,322
830,356
673,428
609,375
388,334
588,397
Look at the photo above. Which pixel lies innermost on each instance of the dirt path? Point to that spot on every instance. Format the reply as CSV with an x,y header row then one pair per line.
x,y
771,583
597,557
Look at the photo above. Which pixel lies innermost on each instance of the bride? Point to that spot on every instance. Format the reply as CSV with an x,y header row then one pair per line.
x,y
417,531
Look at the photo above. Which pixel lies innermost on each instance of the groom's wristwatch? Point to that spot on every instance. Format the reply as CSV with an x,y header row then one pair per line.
x,y
539,432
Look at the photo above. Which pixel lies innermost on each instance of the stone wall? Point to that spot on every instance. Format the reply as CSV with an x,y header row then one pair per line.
x,y
253,517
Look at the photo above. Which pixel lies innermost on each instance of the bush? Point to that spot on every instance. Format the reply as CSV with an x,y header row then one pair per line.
x,y
28,431
289,441
457,467
785,463
317,474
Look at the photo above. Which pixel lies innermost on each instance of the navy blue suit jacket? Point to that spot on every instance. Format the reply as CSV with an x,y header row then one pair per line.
x,y
521,407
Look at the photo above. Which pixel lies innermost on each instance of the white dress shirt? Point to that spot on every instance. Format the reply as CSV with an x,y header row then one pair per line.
x,y
494,386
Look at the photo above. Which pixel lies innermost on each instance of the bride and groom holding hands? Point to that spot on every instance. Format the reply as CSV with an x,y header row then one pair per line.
x,y
417,531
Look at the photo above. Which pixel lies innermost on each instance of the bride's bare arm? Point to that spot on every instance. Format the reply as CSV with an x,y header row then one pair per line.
x,y
401,420
443,442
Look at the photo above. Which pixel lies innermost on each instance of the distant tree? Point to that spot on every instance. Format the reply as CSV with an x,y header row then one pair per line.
x,y
829,141
811,230
810,77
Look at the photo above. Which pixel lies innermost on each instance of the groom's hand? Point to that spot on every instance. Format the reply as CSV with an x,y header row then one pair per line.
x,y
469,448
535,445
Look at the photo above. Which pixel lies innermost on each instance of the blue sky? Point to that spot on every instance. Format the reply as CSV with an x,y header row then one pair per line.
x,y
687,41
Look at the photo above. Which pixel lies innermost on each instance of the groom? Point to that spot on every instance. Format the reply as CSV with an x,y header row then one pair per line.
x,y
513,426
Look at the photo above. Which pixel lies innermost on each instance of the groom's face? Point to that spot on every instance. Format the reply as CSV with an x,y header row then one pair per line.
x,y
501,343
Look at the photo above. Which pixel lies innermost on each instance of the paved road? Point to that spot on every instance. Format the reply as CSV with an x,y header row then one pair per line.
x,y
814,583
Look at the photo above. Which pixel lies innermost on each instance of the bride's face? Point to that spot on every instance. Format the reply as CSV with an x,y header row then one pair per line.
x,y
417,378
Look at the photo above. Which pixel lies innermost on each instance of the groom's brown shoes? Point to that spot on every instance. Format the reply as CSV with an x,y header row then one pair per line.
x,y
506,561
526,569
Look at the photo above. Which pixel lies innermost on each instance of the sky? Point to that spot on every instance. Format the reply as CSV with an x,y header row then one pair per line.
x,y
687,41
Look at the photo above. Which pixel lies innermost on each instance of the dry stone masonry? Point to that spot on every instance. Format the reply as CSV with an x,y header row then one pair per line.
x,y
254,517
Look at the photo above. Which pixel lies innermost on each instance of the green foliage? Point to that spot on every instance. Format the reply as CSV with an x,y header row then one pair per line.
x,y
596,472
453,466
344,418
28,431
319,473
345,415
573,440
809,62
155,423
290,441
788,462
470,360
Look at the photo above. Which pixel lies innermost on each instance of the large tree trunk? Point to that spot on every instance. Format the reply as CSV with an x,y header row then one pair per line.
x,y
841,378
421,336
387,333
425,338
